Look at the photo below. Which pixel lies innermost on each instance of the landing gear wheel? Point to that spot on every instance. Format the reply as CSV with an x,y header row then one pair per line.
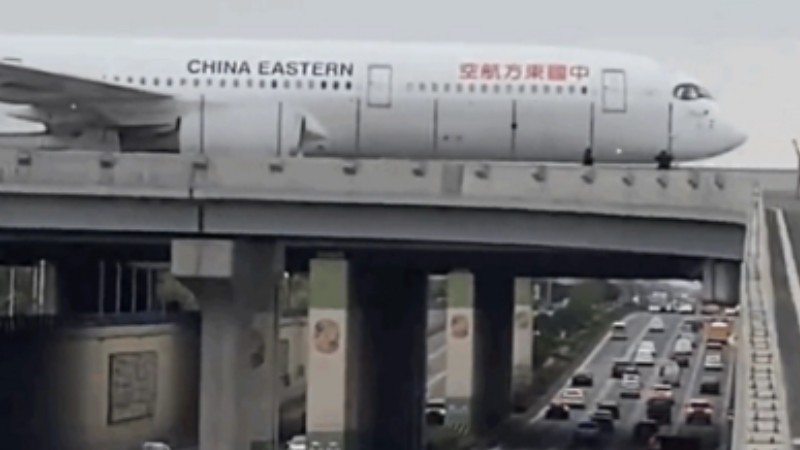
x,y
664,160
588,159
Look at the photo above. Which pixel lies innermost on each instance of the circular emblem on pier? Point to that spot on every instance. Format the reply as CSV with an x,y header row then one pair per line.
x,y
522,320
257,349
459,326
326,336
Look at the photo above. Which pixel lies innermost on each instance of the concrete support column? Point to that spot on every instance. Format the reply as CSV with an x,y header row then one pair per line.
x,y
479,342
522,370
236,284
366,359
721,281
47,291
333,397
494,301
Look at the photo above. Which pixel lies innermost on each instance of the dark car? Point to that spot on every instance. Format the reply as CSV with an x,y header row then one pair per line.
x,y
604,420
610,406
644,430
582,379
622,366
557,411
587,432
710,385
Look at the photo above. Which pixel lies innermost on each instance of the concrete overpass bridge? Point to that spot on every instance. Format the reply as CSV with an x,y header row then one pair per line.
x,y
368,233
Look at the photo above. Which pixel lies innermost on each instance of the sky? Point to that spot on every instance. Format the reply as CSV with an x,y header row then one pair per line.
x,y
746,52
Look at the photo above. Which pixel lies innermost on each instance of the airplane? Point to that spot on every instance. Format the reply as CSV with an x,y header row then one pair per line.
x,y
346,99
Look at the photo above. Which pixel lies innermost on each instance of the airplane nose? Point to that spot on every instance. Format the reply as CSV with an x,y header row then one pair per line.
x,y
737,137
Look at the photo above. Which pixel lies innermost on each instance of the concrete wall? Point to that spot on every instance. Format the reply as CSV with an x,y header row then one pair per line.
x,y
98,386
111,387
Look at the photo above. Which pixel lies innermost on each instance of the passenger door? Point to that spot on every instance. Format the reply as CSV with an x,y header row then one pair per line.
x,y
379,86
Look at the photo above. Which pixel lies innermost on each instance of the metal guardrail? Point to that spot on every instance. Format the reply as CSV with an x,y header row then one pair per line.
x,y
693,194
760,421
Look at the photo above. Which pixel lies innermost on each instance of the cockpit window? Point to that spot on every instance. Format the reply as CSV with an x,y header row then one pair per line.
x,y
689,91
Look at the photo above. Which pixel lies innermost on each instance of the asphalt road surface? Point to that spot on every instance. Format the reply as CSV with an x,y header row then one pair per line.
x,y
786,314
553,434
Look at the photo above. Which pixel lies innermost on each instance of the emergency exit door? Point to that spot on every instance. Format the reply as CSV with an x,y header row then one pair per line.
x,y
615,92
379,86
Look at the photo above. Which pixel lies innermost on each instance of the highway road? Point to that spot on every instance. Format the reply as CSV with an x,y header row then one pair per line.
x,y
784,248
551,434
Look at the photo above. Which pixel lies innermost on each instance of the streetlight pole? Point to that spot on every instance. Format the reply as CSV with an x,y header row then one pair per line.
x,y
797,153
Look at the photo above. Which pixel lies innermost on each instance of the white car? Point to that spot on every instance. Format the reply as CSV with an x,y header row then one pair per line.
x,y
654,308
298,442
686,308
572,397
656,324
647,345
630,386
644,357
713,362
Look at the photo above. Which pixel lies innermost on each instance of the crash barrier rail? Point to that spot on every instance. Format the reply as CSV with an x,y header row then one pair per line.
x,y
760,419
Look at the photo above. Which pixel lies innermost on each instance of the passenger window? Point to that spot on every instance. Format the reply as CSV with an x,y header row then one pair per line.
x,y
311,84
584,90
235,83
559,89
335,85
287,84
422,87
249,83
571,89
348,85
262,84
459,88
496,88
521,88
484,88
410,87
323,85
274,84
546,89
222,82
471,88
446,87
299,84
434,87
196,82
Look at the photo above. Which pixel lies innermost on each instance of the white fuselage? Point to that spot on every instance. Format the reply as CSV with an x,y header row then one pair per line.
x,y
431,101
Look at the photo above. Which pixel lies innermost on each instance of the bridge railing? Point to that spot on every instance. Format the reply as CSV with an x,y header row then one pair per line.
x,y
760,419
694,194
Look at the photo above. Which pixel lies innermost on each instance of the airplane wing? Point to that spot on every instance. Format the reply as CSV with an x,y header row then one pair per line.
x,y
55,92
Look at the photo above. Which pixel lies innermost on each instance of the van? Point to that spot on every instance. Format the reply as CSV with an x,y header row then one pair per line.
x,y
683,346
670,373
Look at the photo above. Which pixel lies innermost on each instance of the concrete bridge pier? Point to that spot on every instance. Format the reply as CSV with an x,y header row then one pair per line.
x,y
479,343
522,370
721,281
236,285
367,355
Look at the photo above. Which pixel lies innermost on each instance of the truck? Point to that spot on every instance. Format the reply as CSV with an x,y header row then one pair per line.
x,y
718,331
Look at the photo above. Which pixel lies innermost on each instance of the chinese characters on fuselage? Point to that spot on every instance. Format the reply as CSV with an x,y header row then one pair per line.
x,y
522,72
290,68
